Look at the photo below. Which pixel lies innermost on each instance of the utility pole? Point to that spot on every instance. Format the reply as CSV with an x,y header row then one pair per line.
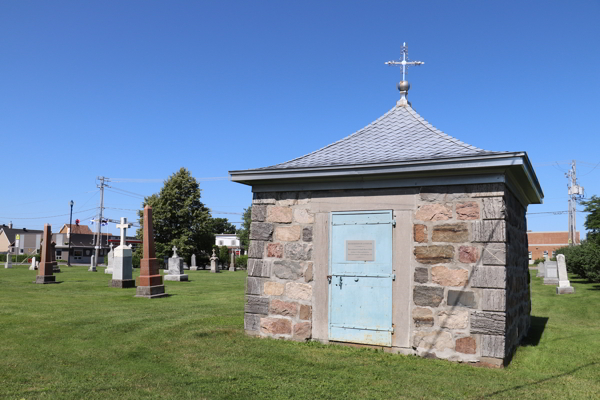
x,y
98,242
575,193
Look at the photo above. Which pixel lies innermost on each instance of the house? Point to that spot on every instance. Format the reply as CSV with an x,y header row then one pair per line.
x,y
231,240
544,244
398,237
76,229
19,240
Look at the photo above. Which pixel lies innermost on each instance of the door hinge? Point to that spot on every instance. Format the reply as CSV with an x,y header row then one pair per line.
x,y
393,277
394,223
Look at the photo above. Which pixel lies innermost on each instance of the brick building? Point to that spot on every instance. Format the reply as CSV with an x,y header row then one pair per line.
x,y
398,237
545,244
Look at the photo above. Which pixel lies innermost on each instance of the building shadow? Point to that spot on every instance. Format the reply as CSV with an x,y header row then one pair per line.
x,y
536,329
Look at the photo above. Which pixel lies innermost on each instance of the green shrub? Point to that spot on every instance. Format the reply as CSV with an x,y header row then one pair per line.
x,y
241,262
538,260
583,260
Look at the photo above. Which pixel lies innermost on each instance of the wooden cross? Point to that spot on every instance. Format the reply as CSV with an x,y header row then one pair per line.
x,y
123,226
404,64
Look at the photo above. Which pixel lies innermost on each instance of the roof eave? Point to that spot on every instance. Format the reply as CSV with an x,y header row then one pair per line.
x,y
517,163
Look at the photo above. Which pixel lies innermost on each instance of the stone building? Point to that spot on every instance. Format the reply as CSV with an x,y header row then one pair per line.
x,y
397,236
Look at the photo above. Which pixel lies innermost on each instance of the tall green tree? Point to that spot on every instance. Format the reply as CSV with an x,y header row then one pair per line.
x,y
179,218
222,225
244,232
592,221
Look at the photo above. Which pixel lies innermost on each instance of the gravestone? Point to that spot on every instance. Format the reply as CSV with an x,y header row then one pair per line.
x,y
46,268
194,267
551,277
92,267
151,283
564,286
213,263
111,259
175,272
122,264
541,272
56,267
232,263
166,263
8,263
185,266
33,266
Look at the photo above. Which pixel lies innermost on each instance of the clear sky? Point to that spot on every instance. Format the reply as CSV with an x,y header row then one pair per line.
x,y
138,89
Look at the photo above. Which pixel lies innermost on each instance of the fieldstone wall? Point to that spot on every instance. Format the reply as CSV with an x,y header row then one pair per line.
x,y
470,281
471,294
279,285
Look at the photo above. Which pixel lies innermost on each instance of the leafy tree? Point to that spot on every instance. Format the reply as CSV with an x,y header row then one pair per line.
x,y
244,232
592,221
179,218
222,225
224,255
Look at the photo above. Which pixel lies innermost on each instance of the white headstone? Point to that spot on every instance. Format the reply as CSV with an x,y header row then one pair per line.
x,y
33,266
564,286
8,263
551,277
92,267
175,272
213,263
122,262
111,259
541,270
194,267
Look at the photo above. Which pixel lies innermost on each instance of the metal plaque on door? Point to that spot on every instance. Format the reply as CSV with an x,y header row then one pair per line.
x,y
360,250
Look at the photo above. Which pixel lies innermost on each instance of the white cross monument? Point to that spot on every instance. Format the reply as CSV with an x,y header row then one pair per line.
x,y
122,260
175,272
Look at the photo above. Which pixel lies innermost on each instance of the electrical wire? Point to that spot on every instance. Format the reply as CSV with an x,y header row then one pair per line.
x,y
51,216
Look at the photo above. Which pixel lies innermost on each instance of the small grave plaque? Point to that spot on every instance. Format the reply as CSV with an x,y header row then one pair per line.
x,y
360,250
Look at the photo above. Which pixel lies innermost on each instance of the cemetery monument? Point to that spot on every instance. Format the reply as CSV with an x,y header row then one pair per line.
x,y
175,272
551,273
111,258
564,286
150,281
213,263
46,266
122,264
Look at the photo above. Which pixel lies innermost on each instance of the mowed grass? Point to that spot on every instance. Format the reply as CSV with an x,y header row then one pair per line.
x,y
83,340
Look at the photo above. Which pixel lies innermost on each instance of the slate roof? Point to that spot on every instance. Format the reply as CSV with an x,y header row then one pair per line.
x,y
11,233
399,135
84,229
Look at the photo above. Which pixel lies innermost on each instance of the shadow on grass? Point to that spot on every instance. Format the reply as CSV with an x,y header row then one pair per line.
x,y
583,281
571,372
536,329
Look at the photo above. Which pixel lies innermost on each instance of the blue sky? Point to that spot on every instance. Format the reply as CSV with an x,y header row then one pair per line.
x,y
138,89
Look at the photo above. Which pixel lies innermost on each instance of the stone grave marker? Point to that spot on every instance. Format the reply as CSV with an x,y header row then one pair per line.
x,y
551,277
33,266
122,265
194,267
92,267
232,263
55,265
541,272
46,267
185,266
213,263
111,258
8,263
175,272
151,282
564,286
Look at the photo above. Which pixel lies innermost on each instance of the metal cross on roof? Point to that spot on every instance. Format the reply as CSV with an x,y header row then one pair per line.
x,y
404,63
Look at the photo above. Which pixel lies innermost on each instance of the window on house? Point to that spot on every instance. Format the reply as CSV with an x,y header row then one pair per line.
x,y
553,253
22,251
530,256
220,243
59,254
545,253
77,254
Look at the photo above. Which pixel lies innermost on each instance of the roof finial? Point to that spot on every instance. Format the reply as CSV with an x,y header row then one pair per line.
x,y
403,85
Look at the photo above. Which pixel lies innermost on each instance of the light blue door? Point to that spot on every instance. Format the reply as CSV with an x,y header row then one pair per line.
x,y
360,277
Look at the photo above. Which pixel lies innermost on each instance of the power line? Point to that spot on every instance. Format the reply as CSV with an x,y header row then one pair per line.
x,y
51,216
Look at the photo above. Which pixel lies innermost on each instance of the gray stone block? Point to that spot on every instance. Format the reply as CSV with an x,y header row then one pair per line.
x,y
485,276
261,231
493,300
492,346
428,296
307,234
256,249
298,251
253,285
177,278
493,208
257,305
151,292
461,299
45,279
287,269
259,268
259,213
421,275
122,283
488,323
565,290
494,254
489,231
263,198
252,322
487,190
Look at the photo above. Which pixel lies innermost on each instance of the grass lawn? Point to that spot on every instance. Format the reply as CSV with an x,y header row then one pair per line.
x,y
83,340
